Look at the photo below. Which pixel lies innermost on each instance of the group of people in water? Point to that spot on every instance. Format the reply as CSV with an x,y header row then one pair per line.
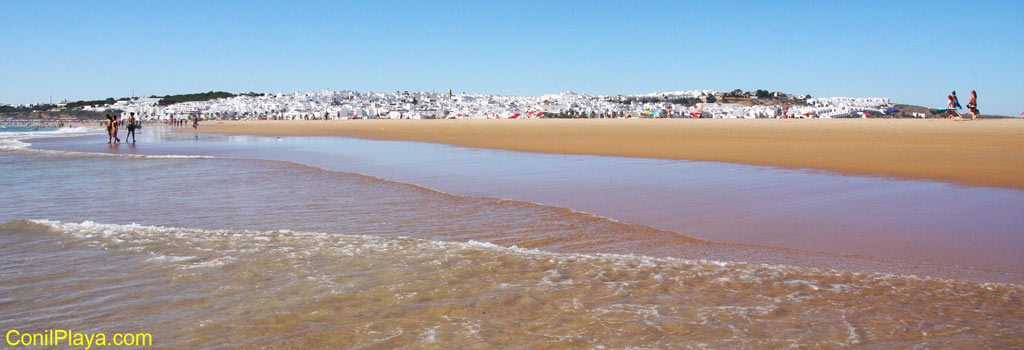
x,y
184,122
954,105
113,124
133,124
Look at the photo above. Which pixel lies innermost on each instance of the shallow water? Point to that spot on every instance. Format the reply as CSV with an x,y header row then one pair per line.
x,y
235,252
907,221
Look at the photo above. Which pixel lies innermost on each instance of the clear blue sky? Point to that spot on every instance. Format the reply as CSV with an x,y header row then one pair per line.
x,y
911,51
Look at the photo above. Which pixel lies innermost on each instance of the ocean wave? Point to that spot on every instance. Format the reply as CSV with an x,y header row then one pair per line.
x,y
15,140
357,285
317,240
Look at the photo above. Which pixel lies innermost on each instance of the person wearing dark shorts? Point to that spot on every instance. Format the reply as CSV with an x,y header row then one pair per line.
x,y
131,127
110,129
972,105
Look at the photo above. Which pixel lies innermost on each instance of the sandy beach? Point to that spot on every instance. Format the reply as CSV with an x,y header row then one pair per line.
x,y
980,153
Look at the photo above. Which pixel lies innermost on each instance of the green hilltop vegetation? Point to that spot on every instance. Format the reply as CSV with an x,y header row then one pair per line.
x,y
74,110
202,96
77,105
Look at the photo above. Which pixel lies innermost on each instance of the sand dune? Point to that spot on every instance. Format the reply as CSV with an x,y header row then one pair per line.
x,y
984,152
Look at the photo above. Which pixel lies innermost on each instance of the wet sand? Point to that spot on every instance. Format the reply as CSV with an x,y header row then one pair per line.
x,y
979,153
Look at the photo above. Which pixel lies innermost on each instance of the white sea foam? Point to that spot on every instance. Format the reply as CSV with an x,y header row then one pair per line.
x,y
12,144
244,241
15,140
59,132
647,298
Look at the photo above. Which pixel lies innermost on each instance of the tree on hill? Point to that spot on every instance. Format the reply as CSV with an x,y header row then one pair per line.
x,y
203,96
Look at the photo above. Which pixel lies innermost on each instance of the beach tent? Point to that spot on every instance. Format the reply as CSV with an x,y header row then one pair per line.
x,y
891,111
697,113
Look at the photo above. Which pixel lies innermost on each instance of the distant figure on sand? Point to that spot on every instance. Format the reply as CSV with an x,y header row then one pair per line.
x,y
131,127
951,108
195,122
972,105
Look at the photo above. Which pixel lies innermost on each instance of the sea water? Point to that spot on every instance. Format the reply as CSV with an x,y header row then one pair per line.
x,y
205,249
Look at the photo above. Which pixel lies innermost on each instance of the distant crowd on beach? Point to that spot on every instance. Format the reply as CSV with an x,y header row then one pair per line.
x,y
134,124
39,123
183,122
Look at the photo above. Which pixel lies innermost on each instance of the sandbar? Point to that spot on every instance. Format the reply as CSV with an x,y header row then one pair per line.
x,y
977,153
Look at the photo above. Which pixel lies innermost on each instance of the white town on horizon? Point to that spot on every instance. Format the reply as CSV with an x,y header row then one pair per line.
x,y
346,104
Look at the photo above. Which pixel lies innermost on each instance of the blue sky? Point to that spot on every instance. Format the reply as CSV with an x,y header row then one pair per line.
x,y
911,51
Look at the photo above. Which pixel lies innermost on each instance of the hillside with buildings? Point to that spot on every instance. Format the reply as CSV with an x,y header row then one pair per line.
x,y
347,104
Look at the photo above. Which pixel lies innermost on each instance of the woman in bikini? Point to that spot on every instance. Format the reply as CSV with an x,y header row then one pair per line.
x,y
972,105
113,129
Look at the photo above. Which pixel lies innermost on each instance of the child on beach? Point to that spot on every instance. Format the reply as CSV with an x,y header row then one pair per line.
x,y
956,101
972,105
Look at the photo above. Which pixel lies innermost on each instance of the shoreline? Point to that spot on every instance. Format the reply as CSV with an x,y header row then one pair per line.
x,y
976,153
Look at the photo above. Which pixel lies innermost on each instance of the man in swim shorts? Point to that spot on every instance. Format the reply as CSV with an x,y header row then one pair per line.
x,y
131,127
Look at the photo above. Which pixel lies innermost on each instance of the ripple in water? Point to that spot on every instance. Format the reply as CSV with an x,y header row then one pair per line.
x,y
282,289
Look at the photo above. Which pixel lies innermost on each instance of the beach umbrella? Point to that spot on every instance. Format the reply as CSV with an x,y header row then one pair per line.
x,y
540,113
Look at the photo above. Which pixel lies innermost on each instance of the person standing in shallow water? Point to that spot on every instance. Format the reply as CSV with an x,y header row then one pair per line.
x,y
110,126
131,128
113,129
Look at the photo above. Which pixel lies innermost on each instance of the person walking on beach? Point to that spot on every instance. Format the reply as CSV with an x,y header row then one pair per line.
x,y
972,105
131,127
956,101
195,122
951,109
114,123
110,129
